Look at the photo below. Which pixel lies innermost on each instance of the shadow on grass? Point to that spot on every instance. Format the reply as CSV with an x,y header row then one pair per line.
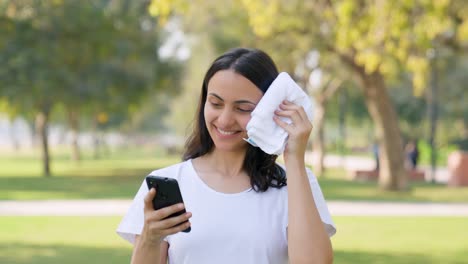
x,y
25,253
22,253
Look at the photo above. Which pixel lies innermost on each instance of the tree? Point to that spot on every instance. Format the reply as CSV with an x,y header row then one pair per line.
x,y
372,38
321,81
89,56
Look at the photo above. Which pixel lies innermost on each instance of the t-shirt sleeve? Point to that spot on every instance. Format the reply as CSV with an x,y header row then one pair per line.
x,y
132,223
321,204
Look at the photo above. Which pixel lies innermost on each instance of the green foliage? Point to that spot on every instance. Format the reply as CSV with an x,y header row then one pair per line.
x,y
90,56
442,152
453,95
380,36
353,106
385,36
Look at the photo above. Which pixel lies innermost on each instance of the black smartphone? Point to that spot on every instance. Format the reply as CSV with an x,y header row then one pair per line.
x,y
167,194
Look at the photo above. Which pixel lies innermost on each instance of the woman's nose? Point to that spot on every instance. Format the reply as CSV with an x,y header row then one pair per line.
x,y
225,118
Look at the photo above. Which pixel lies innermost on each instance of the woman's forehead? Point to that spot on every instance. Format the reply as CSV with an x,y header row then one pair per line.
x,y
230,85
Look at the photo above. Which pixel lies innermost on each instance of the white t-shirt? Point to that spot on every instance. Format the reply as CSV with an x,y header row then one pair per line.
x,y
247,227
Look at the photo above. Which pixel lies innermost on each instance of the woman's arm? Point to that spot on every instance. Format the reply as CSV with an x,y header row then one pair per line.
x,y
150,246
147,253
308,241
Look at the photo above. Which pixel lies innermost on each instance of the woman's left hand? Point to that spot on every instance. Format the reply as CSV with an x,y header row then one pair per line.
x,y
299,130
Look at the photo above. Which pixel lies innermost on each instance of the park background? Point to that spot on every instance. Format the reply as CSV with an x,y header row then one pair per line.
x,y
96,94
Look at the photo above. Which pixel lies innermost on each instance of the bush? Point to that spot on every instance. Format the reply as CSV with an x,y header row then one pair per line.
x,y
442,152
462,144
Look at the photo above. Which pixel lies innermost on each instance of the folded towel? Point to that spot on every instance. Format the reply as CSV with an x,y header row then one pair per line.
x,y
262,130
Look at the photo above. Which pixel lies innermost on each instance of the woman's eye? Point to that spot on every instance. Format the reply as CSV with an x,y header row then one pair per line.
x,y
245,110
215,104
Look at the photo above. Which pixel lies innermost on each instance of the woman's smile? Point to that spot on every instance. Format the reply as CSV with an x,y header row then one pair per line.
x,y
226,132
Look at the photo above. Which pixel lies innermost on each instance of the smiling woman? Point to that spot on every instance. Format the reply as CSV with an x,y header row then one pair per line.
x,y
231,98
242,210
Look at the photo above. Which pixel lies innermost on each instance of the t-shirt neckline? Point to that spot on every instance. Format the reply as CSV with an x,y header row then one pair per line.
x,y
206,186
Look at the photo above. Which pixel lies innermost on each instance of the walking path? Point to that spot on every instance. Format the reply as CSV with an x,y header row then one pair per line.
x,y
119,207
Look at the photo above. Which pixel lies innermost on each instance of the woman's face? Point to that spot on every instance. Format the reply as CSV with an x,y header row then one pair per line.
x,y
230,99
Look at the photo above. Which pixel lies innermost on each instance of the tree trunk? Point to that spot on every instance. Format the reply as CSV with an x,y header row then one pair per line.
x,y
464,133
392,175
42,122
33,131
75,148
322,98
14,140
96,140
319,146
432,105
342,122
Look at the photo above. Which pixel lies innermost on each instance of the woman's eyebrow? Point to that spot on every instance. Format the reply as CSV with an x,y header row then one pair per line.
x,y
236,102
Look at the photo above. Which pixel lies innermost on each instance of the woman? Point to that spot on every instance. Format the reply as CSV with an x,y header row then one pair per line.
x,y
238,205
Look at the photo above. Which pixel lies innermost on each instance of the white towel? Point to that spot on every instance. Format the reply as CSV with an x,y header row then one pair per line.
x,y
262,130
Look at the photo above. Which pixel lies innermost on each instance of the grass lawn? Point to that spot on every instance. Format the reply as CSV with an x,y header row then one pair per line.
x,y
57,240
401,240
120,175
335,186
117,177
395,240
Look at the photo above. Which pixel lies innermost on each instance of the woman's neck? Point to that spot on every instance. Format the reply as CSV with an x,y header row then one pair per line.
x,y
227,164
223,171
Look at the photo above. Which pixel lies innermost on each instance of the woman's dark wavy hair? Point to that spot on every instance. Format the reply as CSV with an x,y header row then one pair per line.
x,y
260,69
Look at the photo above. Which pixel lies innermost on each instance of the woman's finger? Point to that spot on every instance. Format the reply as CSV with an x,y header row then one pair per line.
x,y
286,105
291,114
287,127
169,210
149,200
173,221
157,225
176,229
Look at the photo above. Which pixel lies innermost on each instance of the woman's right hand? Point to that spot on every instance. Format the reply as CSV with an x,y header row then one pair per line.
x,y
156,227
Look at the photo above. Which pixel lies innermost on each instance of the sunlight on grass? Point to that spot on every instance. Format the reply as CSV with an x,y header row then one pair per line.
x,y
44,240
119,175
29,164
76,230
392,240
401,240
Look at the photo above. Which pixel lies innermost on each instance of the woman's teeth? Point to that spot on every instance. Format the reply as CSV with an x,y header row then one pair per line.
x,y
226,132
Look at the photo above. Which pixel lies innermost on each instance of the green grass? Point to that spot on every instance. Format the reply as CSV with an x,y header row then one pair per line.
x,y
68,240
394,240
120,175
401,240
116,177
335,186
